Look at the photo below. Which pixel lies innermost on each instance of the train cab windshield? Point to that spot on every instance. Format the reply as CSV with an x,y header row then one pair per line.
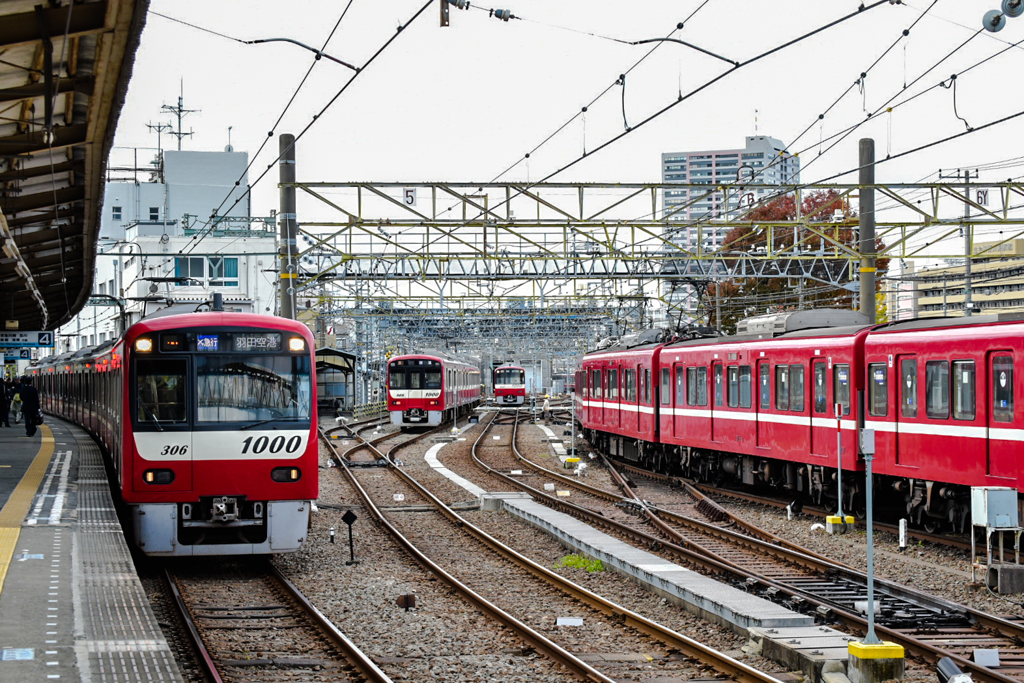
x,y
414,374
509,376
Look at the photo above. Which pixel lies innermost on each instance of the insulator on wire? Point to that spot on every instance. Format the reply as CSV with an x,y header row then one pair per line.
x,y
503,14
460,4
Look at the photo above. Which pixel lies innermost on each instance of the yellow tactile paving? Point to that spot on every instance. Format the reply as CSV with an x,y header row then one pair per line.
x,y
13,513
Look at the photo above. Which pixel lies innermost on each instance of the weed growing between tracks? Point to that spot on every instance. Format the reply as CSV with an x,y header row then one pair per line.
x,y
580,562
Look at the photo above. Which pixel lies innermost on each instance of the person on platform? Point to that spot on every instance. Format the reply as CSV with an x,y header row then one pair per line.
x,y
15,397
30,406
547,408
5,403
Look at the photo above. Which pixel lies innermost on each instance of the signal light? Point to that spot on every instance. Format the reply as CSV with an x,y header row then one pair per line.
x,y
285,474
142,344
158,476
296,344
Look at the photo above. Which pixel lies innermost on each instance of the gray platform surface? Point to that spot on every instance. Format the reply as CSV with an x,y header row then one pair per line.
x,y
72,607
711,599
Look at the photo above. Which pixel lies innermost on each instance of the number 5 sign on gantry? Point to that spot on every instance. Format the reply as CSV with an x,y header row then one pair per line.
x,y
409,196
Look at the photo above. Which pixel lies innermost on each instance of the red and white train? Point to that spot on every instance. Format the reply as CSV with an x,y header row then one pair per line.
x,y
941,396
209,420
509,385
428,389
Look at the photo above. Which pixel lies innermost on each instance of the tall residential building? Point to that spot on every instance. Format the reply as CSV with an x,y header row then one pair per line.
x,y
762,161
997,282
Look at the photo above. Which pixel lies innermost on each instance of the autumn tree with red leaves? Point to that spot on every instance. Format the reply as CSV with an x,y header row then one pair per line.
x,y
748,297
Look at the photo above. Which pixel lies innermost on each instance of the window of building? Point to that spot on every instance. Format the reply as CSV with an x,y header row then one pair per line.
x,y
781,387
101,288
764,386
154,213
746,390
115,213
841,387
878,390
964,393
820,400
211,271
936,386
110,287
908,387
223,271
796,388
1002,389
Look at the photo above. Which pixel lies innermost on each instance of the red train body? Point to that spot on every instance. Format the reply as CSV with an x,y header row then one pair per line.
x,y
941,395
209,420
509,383
425,389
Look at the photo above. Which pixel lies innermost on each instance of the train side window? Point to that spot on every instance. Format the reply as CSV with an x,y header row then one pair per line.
x,y
908,388
745,387
820,400
796,388
963,390
718,385
630,382
596,384
781,387
666,387
613,385
691,386
647,386
936,386
878,390
841,387
680,385
702,386
161,391
734,386
1002,389
764,392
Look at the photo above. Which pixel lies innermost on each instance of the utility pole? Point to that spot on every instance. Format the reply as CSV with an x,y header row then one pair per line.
x,y
867,229
288,226
968,233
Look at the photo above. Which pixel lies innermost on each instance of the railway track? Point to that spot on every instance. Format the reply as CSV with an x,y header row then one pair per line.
x,y
251,624
546,582
925,625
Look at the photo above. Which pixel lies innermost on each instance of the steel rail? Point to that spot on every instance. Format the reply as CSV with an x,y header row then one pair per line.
x,y
205,658
693,553
538,641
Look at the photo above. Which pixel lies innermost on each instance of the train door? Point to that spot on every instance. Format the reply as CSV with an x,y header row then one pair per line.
x,y
597,397
718,427
821,424
1002,422
763,426
614,410
907,442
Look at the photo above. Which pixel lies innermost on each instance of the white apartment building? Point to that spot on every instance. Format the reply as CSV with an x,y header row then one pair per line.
x,y
157,247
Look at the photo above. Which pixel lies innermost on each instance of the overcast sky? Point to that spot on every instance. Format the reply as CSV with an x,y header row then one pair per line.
x,y
463,103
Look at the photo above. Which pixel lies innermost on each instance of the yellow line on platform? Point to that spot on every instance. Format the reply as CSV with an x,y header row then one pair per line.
x,y
13,513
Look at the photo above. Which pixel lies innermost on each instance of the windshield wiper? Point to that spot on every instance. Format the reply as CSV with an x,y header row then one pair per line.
x,y
153,417
274,419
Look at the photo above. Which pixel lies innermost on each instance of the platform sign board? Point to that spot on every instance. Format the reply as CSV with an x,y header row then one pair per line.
x,y
17,354
16,340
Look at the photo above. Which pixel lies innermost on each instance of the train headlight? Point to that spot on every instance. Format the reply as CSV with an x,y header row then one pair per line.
x,y
158,476
143,344
296,344
283,474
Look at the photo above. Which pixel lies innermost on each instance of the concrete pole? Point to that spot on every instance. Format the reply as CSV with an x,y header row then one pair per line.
x,y
867,229
288,227
967,244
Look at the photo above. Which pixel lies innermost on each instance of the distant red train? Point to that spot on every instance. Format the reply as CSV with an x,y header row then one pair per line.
x,y
941,396
429,389
509,385
210,423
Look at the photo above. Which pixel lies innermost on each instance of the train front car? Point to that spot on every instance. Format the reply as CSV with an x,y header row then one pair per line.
x,y
415,385
219,441
509,385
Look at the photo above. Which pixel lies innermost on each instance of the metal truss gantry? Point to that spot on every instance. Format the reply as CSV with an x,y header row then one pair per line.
x,y
469,260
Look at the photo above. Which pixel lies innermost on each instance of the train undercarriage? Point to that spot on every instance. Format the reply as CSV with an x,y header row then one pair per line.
x,y
930,505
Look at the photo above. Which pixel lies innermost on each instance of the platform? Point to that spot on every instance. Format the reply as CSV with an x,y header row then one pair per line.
x,y
71,605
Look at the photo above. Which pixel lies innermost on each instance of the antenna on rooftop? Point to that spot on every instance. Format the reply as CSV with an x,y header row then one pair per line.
x,y
229,148
180,112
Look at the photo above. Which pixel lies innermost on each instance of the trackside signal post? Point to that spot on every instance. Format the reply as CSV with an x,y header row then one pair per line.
x,y
872,660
